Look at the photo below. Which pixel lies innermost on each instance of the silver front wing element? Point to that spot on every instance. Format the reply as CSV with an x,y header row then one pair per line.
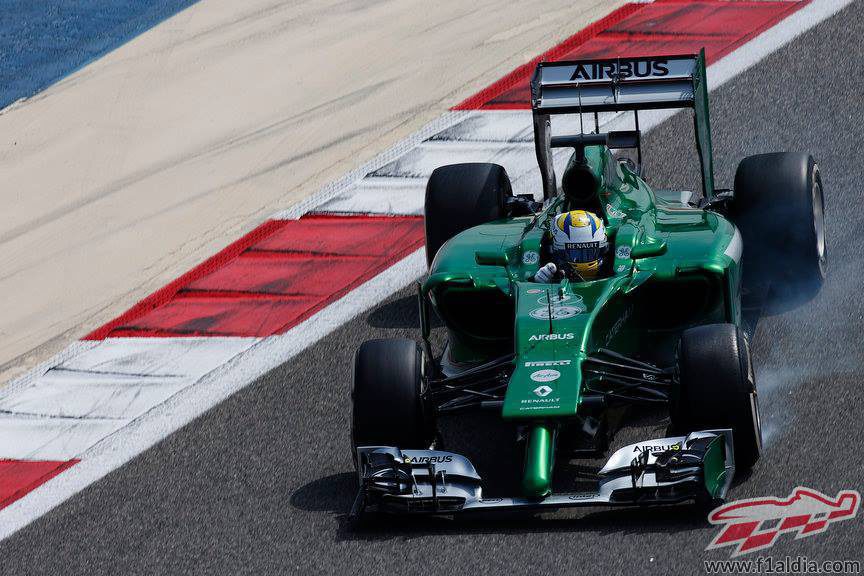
x,y
698,467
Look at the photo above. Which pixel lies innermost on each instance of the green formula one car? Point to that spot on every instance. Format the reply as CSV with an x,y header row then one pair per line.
x,y
666,323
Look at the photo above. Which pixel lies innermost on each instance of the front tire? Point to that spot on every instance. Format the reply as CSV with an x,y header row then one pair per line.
x,y
387,396
715,388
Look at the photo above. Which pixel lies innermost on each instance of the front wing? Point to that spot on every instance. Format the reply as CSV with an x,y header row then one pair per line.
x,y
694,468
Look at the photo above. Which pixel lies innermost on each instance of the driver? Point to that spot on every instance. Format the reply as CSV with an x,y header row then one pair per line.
x,y
578,247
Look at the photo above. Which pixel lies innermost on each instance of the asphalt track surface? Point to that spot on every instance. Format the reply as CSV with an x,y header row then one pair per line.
x,y
262,483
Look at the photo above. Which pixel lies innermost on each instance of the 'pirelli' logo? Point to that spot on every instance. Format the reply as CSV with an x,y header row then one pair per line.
x,y
547,363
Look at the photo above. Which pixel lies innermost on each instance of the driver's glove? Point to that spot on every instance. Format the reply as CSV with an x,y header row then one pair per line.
x,y
545,274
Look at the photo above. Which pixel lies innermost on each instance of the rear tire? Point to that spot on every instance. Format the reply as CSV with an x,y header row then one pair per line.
x,y
387,396
778,207
461,196
715,388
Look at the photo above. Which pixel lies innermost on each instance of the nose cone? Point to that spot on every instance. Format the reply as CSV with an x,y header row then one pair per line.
x,y
539,458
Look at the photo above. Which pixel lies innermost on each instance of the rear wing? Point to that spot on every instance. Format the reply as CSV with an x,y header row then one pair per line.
x,y
621,84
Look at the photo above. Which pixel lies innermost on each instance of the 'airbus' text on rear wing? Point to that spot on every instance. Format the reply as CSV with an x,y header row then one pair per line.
x,y
621,84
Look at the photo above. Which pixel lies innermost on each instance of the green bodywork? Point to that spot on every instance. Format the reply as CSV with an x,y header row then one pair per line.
x,y
673,266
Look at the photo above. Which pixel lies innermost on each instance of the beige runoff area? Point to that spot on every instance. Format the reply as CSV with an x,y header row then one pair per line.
x,y
129,172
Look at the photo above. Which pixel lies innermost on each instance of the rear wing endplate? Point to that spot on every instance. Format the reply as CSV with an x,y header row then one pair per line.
x,y
621,84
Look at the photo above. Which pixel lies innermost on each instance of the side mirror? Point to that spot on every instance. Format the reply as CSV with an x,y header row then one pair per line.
x,y
488,258
649,248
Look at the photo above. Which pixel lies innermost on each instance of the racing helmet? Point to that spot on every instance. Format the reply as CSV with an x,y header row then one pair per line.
x,y
579,241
